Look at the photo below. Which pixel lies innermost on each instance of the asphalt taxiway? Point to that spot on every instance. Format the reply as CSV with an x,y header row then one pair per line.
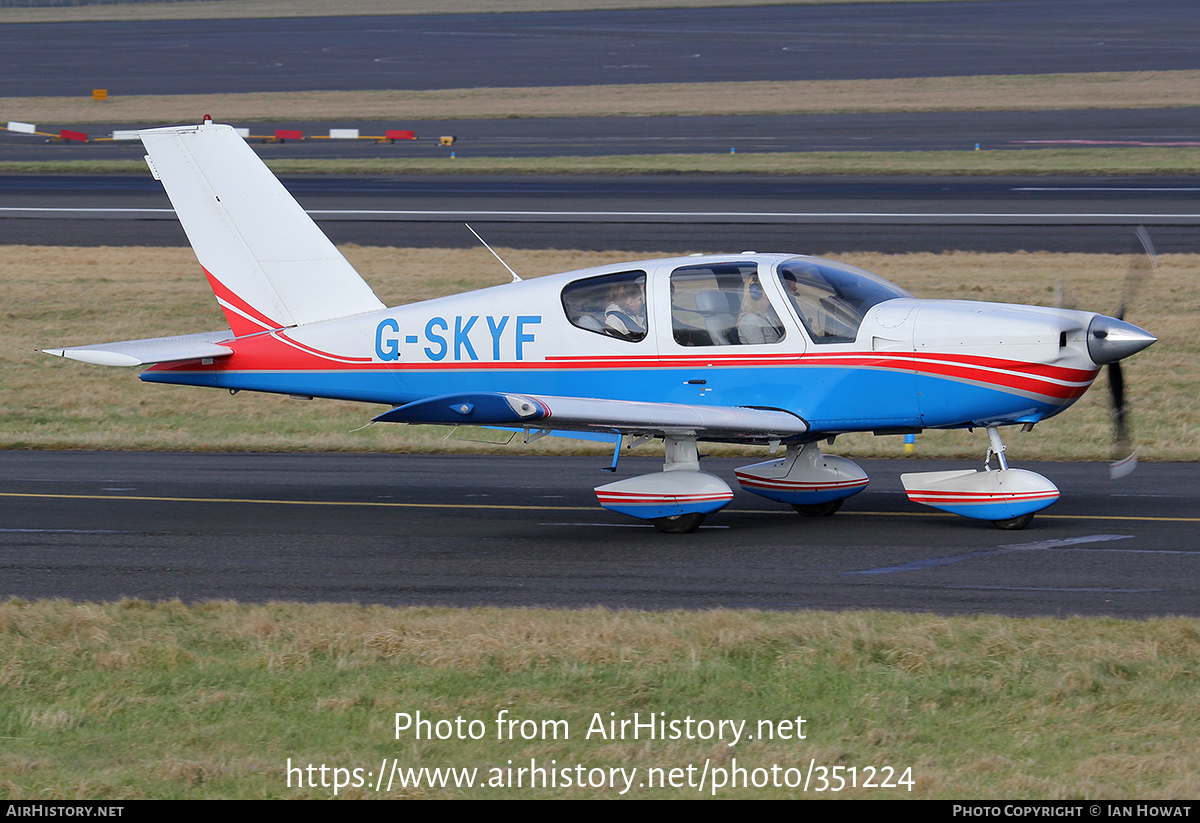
x,y
525,530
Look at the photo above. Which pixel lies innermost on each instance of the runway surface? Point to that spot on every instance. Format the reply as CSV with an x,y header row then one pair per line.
x,y
526,530
660,213
638,46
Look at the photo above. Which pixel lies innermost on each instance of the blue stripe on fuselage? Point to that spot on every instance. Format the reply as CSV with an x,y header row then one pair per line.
x,y
830,399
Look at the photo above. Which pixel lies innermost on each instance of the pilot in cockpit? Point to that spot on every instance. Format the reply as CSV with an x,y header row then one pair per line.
x,y
625,315
827,316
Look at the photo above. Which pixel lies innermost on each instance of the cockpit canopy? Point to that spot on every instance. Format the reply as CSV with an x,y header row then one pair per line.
x,y
726,302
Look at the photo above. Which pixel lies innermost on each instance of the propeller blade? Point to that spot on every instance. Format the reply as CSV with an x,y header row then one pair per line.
x,y
1139,271
1124,457
1063,299
1120,468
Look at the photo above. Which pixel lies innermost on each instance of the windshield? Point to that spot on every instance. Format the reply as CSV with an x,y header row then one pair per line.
x,y
830,298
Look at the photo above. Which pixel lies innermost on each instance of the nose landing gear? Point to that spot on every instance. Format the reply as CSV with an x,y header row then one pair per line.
x,y
1007,497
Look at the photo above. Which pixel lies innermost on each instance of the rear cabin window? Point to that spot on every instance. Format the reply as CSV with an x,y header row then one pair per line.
x,y
722,305
612,305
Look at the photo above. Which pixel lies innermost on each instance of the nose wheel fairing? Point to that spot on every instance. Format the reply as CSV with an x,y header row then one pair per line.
x,y
998,495
1007,497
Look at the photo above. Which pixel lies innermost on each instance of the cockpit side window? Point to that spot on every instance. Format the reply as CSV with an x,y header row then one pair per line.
x,y
832,299
611,304
722,305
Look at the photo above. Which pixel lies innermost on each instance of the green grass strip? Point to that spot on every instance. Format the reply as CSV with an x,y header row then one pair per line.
x,y
137,699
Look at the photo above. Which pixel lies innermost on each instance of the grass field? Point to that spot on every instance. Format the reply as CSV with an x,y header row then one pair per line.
x,y
1080,161
73,296
1100,90
133,699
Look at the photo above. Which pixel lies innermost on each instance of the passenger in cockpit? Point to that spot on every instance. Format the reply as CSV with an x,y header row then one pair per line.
x,y
757,322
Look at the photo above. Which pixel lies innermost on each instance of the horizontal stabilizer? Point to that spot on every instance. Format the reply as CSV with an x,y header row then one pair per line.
x,y
591,414
150,351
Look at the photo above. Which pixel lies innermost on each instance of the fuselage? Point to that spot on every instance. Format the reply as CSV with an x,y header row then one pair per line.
x,y
842,349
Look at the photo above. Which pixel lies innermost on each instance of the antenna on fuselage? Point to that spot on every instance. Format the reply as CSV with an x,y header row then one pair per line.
x,y
516,277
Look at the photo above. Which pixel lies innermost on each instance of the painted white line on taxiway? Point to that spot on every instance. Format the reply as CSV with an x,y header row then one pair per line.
x,y
448,215
40,211
1108,188
62,531
1056,589
621,525
919,565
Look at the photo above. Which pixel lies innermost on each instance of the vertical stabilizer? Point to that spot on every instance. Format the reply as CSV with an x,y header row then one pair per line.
x,y
268,263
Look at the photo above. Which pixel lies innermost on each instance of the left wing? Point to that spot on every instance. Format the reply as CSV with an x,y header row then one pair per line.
x,y
595,415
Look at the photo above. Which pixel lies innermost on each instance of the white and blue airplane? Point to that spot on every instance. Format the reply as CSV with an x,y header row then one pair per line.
x,y
779,350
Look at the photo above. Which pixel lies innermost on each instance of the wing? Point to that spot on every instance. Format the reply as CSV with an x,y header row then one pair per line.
x,y
587,414
151,350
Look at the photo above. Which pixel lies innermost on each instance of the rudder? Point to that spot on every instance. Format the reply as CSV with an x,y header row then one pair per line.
x,y
269,264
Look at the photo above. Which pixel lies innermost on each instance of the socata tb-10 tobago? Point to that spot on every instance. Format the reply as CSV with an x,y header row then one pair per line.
x,y
769,349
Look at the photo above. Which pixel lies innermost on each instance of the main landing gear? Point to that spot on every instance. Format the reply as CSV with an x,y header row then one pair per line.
x,y
676,499
814,484
678,523
819,509
1007,497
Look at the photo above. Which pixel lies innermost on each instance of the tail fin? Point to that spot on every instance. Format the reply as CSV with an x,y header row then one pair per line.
x,y
268,263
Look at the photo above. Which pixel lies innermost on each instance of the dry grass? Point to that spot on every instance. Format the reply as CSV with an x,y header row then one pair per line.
x,y
1120,160
72,296
1101,90
234,9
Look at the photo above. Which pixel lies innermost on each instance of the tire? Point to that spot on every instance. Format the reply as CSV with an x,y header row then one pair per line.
x,y
819,509
1014,524
679,523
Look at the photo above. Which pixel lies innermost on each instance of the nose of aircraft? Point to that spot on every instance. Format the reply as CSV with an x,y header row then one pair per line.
x,y
1110,339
